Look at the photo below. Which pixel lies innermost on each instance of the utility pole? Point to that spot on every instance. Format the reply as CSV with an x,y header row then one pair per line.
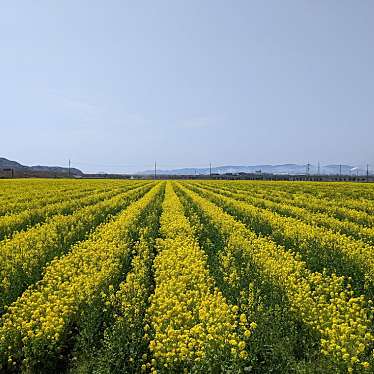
x,y
210,169
155,169
307,168
318,169
367,172
69,167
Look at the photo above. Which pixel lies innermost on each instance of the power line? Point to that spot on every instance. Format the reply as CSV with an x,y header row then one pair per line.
x,y
308,168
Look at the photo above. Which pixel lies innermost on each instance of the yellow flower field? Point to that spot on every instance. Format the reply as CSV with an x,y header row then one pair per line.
x,y
116,276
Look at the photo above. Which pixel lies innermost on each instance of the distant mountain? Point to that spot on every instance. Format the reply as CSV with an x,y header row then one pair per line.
x,y
56,169
267,169
7,164
234,169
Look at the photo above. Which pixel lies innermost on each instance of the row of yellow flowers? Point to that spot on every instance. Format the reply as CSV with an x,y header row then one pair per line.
x,y
124,348
18,201
27,194
352,229
344,208
21,190
353,193
321,247
36,326
11,224
191,326
23,257
125,338
320,301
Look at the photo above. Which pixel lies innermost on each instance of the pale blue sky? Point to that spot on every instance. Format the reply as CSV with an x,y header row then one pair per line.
x,y
116,84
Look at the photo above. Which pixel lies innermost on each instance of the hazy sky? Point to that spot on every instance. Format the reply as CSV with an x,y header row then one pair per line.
x,y
115,85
